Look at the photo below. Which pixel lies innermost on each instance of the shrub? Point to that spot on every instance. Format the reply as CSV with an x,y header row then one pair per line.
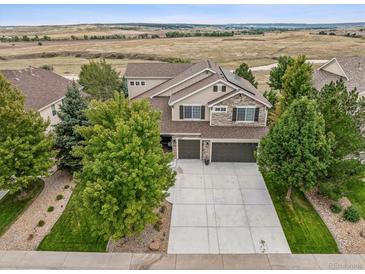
x,y
47,67
336,208
59,197
41,223
352,214
50,209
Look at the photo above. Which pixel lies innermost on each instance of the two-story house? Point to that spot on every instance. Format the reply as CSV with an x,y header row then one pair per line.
x,y
43,90
208,112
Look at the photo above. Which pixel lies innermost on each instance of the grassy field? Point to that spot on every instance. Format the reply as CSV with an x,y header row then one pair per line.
x,y
11,207
303,228
228,51
72,231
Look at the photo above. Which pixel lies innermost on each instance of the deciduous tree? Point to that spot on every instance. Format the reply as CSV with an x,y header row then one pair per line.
x,y
297,150
25,149
277,73
125,172
100,80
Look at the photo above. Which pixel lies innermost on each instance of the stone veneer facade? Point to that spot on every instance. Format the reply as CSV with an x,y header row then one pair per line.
x,y
225,118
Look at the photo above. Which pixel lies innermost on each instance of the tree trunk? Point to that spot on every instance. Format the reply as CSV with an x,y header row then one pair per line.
x,y
288,194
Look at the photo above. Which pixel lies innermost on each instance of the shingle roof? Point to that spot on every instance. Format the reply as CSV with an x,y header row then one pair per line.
x,y
40,87
354,68
220,73
163,70
203,129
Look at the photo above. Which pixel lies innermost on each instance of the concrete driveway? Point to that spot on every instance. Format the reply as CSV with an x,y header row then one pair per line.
x,y
223,208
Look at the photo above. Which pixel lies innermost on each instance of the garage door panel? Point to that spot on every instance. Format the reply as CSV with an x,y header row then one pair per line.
x,y
189,149
233,152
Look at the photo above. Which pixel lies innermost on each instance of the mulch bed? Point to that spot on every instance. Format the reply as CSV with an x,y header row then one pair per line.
x,y
346,234
159,234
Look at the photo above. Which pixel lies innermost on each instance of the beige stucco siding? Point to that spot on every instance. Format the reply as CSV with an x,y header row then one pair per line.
x,y
133,91
46,113
200,98
334,68
186,83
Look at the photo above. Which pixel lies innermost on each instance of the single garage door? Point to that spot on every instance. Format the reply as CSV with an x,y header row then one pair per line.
x,y
233,152
189,149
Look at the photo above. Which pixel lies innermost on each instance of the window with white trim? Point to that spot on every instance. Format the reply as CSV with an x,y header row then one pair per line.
x,y
53,108
220,109
245,114
137,83
192,112
131,83
143,83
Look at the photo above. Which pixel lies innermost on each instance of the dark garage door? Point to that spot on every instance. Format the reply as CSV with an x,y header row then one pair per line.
x,y
189,149
233,152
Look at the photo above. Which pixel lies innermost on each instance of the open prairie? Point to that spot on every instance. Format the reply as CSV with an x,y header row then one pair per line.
x,y
255,50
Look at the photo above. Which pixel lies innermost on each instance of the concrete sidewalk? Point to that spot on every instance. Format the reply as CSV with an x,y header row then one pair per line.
x,y
85,260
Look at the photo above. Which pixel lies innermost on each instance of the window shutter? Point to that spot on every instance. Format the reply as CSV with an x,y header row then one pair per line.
x,y
202,112
181,112
215,88
234,116
257,111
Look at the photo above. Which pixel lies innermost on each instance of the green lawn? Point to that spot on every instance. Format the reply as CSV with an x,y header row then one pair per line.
x,y
72,231
303,228
356,194
11,207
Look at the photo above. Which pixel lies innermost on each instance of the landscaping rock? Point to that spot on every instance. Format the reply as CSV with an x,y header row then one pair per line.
x,y
155,245
362,233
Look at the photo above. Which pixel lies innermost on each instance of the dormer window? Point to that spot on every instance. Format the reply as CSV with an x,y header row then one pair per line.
x,y
223,88
215,88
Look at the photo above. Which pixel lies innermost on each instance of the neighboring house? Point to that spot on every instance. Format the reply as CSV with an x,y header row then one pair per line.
x,y
43,90
208,112
350,69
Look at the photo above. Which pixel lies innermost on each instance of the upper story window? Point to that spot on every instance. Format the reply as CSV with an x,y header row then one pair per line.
x,y
220,109
219,88
245,114
192,112
131,83
53,108
143,83
137,83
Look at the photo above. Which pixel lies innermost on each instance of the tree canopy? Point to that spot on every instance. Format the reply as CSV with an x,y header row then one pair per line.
x,y
244,71
71,114
126,173
25,149
100,80
277,73
297,150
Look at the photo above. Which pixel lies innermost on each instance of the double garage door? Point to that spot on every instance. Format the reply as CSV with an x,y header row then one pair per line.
x,y
221,152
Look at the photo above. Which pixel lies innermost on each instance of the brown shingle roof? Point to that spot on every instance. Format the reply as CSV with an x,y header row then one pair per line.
x,y
354,68
40,87
163,70
203,129
195,68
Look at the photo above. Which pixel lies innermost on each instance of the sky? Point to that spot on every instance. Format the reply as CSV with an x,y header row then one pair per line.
x,y
11,15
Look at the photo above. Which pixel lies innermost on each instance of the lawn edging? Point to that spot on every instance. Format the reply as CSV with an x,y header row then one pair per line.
x,y
25,207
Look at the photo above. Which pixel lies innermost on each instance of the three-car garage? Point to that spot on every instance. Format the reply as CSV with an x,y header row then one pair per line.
x,y
218,151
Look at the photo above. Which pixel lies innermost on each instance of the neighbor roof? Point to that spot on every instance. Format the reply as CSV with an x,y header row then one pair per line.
x,y
202,128
353,67
163,70
39,86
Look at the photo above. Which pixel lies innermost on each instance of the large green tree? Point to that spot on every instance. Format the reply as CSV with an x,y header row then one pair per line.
x,y
296,83
244,71
343,112
297,150
72,114
277,73
125,173
100,80
25,148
